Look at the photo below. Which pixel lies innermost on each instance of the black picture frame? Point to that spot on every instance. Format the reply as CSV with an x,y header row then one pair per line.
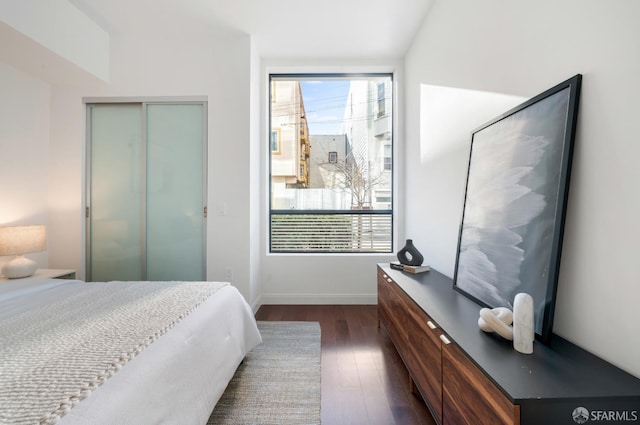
x,y
510,238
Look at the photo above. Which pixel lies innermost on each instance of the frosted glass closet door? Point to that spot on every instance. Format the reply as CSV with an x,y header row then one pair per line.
x,y
175,191
115,248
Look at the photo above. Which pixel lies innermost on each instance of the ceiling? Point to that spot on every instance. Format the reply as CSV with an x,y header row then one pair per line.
x,y
356,29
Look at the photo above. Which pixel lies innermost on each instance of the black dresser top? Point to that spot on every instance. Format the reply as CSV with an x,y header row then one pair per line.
x,y
560,370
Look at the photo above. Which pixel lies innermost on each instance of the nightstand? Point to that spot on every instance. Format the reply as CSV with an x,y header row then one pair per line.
x,y
49,273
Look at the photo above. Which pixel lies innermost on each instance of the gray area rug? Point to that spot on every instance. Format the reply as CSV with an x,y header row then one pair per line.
x,y
279,381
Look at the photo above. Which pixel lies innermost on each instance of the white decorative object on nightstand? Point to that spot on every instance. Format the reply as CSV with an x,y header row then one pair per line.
x,y
20,240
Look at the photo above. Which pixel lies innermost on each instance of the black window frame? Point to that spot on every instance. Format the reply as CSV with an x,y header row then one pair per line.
x,y
364,211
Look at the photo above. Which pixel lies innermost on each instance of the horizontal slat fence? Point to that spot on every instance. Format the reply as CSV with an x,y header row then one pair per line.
x,y
334,232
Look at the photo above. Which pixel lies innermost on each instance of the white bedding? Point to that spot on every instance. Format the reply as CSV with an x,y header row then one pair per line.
x,y
178,378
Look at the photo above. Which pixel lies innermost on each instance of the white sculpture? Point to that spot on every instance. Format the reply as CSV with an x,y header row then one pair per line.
x,y
523,332
499,320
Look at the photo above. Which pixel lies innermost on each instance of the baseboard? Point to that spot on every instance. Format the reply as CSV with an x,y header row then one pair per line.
x,y
256,304
301,299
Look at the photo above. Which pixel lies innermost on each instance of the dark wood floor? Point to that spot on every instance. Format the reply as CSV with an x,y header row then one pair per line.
x,y
363,378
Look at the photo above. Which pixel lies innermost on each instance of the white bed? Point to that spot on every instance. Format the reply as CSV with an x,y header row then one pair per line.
x,y
175,380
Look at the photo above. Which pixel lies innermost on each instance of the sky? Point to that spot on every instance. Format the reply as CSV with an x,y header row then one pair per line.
x,y
324,103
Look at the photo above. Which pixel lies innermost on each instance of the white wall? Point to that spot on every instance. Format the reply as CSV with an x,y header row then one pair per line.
x,y
24,145
56,25
522,49
442,151
213,65
255,165
65,202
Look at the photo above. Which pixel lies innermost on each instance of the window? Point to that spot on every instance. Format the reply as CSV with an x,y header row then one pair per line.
x,y
387,157
381,99
331,174
275,142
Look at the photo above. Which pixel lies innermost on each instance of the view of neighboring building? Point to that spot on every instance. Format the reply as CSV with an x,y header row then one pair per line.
x,y
367,126
326,151
354,164
290,147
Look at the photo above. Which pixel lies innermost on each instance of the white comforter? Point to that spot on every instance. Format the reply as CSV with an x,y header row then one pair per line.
x,y
177,379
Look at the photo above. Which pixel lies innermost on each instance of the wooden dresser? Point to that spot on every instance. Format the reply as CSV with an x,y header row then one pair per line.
x,y
469,377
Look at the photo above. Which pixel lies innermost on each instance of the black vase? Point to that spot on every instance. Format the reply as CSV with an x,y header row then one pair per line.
x,y
409,255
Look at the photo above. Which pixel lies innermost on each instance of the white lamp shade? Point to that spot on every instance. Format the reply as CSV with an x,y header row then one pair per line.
x,y
19,240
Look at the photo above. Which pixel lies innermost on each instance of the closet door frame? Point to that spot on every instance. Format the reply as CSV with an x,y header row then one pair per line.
x,y
143,102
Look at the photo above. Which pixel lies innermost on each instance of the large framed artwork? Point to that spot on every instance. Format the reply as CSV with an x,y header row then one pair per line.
x,y
511,232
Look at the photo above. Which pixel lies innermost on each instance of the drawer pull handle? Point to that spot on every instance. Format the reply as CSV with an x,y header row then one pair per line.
x,y
445,339
431,325
384,276
389,280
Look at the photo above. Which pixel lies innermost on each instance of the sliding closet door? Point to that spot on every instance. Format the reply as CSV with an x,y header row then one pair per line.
x,y
115,244
175,225
147,191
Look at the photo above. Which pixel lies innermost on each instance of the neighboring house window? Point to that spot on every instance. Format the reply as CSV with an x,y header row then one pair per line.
x,y
275,142
327,176
381,99
387,158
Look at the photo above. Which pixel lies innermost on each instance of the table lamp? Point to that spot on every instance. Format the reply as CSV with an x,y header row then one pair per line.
x,y
20,240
